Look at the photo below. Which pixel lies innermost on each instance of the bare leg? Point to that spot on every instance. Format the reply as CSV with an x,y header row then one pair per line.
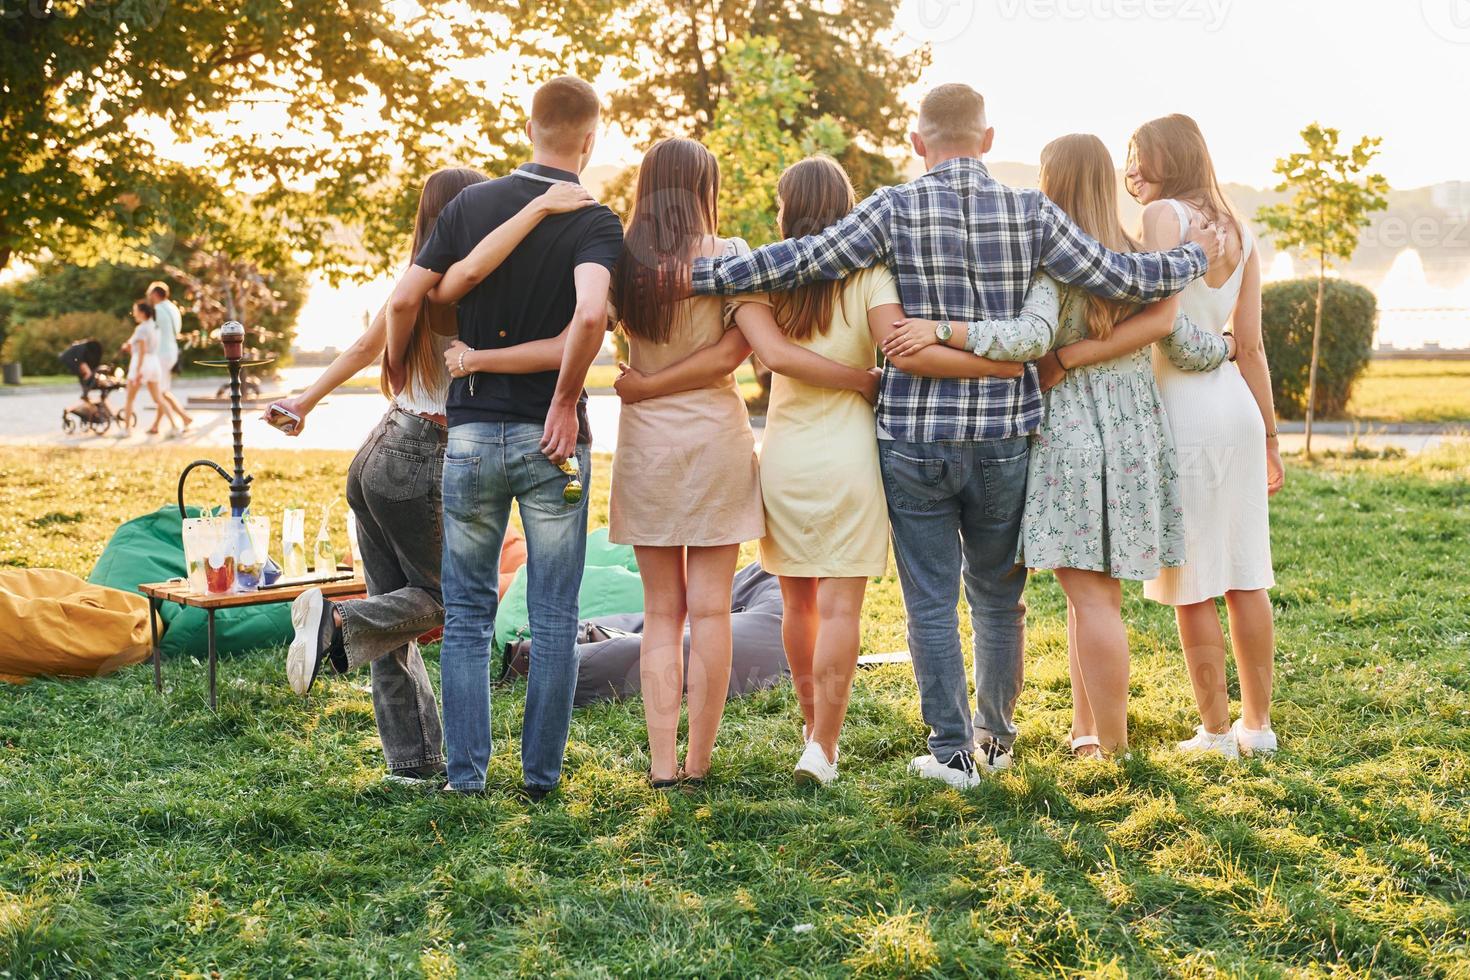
x,y
840,607
1082,721
127,412
1253,638
1102,651
799,637
160,409
661,665
178,409
1204,652
711,574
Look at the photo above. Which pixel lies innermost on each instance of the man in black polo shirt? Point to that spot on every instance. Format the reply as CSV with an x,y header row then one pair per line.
x,y
509,433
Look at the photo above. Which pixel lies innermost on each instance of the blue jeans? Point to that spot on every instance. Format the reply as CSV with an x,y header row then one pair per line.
x,y
956,511
486,466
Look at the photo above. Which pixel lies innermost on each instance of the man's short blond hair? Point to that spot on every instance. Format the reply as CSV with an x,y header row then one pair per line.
x,y
563,112
952,116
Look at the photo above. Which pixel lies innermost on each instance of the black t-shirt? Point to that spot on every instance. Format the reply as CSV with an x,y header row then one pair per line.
x,y
531,296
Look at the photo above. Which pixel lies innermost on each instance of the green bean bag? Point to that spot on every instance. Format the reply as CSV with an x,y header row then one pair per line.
x,y
151,549
610,585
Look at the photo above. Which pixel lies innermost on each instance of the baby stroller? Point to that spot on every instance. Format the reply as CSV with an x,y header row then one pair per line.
x,y
98,380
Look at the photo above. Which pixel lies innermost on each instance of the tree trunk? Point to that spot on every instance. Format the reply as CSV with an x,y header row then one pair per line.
x,y
5,253
1316,347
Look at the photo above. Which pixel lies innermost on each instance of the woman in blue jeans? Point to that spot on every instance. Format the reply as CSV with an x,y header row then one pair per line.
x,y
393,487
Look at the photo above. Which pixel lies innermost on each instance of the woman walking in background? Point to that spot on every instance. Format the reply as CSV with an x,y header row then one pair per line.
x,y
685,486
393,487
1224,426
144,370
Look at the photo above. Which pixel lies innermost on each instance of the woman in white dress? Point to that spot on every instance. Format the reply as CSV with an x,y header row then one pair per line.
x,y
1224,428
144,369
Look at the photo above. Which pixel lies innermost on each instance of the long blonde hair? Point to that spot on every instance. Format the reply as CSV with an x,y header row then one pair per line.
x,y
422,360
1170,151
1077,174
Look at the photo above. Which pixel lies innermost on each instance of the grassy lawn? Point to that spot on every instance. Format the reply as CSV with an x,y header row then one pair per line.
x,y
147,836
1412,391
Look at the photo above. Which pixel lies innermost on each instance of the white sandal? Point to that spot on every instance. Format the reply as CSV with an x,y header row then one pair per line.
x,y
1085,742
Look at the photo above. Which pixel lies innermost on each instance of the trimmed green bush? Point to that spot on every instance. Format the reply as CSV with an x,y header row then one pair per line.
x,y
1349,315
37,344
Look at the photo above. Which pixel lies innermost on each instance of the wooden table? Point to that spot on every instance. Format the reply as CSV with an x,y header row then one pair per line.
x,y
178,591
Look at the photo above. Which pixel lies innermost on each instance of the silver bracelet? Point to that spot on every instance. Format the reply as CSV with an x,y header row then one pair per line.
x,y
462,353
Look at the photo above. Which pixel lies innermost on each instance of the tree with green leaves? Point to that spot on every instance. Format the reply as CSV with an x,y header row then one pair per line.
x,y
759,130
352,93
1331,195
671,56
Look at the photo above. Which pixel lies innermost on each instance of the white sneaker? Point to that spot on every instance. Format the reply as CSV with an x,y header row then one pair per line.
x,y
304,657
958,772
991,756
1205,741
813,768
1253,741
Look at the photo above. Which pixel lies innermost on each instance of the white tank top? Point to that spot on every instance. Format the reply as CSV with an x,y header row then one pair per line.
x,y
427,396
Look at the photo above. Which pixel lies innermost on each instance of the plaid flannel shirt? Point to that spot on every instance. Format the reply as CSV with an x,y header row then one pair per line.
x,y
963,247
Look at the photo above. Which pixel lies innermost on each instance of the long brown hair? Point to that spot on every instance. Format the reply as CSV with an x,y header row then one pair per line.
x,y
422,361
1170,151
1077,174
814,193
675,206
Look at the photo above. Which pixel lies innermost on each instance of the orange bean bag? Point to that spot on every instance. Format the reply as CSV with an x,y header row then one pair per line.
x,y
53,623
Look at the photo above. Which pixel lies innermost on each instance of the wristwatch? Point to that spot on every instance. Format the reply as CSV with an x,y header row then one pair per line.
x,y
943,331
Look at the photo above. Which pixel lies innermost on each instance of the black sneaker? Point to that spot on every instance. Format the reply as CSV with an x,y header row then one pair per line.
x,y
535,794
317,639
416,777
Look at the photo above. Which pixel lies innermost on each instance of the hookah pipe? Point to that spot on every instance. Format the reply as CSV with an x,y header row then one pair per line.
x,y
232,337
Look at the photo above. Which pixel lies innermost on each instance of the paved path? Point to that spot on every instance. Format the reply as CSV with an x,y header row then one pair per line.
x,y
342,421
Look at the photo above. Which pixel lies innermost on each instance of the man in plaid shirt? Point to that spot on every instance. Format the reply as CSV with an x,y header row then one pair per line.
x,y
954,451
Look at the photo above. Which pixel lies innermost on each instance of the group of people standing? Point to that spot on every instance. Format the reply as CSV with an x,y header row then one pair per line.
x,y
1050,397
153,350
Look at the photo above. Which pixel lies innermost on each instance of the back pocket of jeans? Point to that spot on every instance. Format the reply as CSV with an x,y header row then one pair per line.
x,y
913,481
546,485
1005,486
394,474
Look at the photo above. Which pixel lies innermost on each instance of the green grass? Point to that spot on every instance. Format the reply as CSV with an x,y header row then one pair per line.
x,y
146,836
37,380
1412,391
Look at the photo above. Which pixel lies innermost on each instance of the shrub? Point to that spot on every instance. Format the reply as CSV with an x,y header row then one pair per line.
x,y
37,344
1349,314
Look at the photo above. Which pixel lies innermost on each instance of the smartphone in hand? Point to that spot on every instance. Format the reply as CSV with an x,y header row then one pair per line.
x,y
284,419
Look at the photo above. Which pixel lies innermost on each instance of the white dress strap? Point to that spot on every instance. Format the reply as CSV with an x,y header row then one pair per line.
x,y
1184,218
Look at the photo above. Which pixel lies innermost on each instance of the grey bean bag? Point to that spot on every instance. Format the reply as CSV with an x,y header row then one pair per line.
x,y
608,665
